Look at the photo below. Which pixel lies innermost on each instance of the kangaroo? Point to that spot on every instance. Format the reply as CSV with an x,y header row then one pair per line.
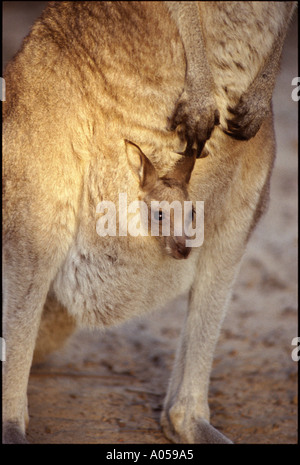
x,y
233,53
89,76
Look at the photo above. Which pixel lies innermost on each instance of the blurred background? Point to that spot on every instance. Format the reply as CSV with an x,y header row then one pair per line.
x,y
109,387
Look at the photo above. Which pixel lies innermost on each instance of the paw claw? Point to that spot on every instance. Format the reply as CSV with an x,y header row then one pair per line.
x,y
248,116
198,121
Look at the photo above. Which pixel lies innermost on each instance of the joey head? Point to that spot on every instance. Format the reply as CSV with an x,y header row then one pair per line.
x,y
170,213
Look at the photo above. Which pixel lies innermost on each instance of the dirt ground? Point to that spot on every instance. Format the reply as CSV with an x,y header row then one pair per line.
x,y
109,387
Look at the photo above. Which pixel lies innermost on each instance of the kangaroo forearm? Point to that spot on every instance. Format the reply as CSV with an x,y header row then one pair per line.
x,y
186,15
196,108
251,107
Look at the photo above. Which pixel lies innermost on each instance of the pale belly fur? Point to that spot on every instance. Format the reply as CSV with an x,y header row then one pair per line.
x,y
105,285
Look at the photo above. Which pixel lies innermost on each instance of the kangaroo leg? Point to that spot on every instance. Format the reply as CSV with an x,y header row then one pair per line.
x,y
55,327
185,418
24,297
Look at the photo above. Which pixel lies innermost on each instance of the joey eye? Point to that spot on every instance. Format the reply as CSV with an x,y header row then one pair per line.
x,y
158,215
192,214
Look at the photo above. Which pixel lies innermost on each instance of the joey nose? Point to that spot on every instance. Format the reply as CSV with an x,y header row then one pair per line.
x,y
180,251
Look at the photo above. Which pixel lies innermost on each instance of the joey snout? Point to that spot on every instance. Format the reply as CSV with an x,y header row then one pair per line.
x,y
178,248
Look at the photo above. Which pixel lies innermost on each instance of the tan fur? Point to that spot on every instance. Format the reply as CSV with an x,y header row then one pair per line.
x,y
89,76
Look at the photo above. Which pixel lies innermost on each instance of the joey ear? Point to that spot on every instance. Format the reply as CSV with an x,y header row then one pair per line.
x,y
141,166
183,168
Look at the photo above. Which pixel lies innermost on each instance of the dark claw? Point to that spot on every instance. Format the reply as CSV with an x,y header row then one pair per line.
x,y
189,147
202,153
233,126
200,147
217,118
236,136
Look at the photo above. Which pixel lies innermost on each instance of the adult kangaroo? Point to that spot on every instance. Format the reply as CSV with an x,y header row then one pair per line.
x,y
90,77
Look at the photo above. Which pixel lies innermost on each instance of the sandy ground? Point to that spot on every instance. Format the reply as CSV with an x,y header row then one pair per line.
x,y
109,387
